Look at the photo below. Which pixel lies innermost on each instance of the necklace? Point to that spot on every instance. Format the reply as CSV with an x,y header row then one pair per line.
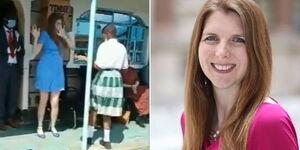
x,y
213,135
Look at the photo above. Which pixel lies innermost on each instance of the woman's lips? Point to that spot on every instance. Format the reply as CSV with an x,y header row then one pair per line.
x,y
222,68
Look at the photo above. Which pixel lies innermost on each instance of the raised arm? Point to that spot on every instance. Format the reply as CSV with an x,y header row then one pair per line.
x,y
35,31
68,38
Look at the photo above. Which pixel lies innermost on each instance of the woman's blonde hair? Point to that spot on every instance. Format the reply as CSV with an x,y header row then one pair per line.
x,y
200,106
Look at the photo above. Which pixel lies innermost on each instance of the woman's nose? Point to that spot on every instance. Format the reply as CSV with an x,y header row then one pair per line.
x,y
222,50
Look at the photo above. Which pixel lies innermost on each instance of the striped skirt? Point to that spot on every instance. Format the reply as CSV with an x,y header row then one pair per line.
x,y
107,93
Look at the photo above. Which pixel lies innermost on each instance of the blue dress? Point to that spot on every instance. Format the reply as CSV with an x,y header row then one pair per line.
x,y
49,71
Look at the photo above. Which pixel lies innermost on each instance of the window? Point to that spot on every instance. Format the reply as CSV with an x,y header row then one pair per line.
x,y
131,32
103,17
121,18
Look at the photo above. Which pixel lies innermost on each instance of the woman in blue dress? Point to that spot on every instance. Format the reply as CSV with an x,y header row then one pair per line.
x,y
49,72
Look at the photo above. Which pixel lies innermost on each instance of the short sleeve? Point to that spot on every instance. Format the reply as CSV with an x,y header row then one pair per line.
x,y
42,38
97,60
125,62
272,129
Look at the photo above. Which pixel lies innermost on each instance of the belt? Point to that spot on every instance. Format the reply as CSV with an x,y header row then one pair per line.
x,y
11,64
110,69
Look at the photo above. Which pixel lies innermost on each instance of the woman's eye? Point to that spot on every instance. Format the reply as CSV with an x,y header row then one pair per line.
x,y
211,38
238,40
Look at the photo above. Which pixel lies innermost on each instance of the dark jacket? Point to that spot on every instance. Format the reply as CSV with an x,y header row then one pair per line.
x,y
3,49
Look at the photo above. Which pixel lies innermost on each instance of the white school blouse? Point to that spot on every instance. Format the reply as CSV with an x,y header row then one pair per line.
x,y
112,54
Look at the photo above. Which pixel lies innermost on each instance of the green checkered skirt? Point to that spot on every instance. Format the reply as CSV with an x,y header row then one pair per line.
x,y
107,93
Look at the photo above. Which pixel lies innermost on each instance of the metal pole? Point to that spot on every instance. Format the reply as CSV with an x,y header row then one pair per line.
x,y
88,74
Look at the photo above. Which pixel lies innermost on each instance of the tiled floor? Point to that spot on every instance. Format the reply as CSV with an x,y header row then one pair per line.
x,y
130,137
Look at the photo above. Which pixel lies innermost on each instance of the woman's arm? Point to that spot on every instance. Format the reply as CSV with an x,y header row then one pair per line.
x,y
137,83
35,31
70,41
68,38
127,85
96,67
133,86
80,57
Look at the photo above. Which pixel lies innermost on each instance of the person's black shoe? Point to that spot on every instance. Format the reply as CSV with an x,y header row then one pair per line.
x,y
139,121
13,123
107,145
90,141
2,127
146,117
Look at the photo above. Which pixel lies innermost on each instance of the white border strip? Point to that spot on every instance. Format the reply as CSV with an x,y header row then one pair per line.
x,y
88,74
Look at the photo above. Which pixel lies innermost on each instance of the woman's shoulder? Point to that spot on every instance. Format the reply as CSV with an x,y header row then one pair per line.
x,y
269,113
272,128
271,116
44,33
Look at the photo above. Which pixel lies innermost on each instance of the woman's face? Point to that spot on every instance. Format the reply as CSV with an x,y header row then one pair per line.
x,y
222,50
58,25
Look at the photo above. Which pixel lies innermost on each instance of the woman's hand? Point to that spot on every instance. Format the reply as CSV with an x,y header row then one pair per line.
x,y
80,57
62,33
69,38
35,31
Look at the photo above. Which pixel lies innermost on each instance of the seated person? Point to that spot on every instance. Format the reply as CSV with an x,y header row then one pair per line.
x,y
138,94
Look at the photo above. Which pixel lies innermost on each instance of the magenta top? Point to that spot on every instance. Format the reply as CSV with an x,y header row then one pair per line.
x,y
271,129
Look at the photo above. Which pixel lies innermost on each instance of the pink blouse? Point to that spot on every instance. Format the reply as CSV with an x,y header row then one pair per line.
x,y
271,129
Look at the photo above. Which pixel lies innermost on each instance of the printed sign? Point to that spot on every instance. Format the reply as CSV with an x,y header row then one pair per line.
x,y
63,7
